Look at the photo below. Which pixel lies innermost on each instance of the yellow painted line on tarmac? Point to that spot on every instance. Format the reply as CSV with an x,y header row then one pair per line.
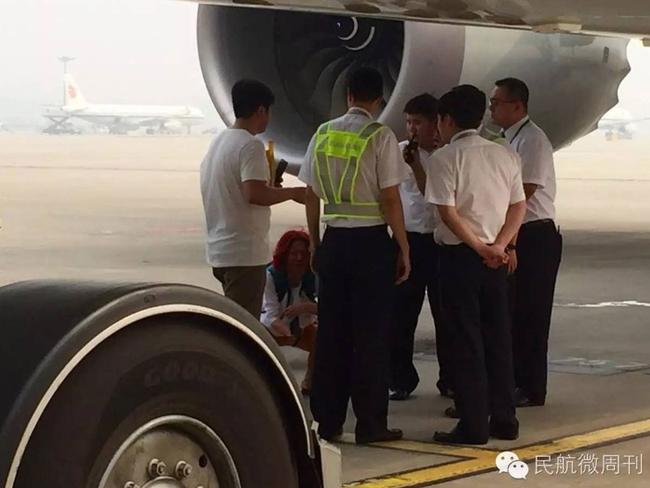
x,y
608,435
426,448
438,449
427,476
475,461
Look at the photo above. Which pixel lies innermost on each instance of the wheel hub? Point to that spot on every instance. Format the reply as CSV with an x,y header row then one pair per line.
x,y
164,482
172,452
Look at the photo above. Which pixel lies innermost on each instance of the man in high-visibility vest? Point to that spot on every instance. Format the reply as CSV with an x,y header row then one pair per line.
x,y
353,164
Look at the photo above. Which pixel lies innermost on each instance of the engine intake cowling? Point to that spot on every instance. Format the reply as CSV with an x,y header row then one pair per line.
x,y
305,57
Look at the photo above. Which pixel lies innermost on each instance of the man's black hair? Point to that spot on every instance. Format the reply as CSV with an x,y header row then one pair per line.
x,y
248,96
517,90
425,105
365,84
465,104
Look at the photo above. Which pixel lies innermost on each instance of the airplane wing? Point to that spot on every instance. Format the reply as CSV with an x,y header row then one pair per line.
x,y
627,18
621,122
158,121
155,124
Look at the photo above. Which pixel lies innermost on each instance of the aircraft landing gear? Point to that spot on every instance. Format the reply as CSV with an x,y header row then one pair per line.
x,y
141,385
60,125
176,439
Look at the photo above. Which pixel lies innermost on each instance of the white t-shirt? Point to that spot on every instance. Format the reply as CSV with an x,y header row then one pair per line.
x,y
272,308
536,153
237,231
419,215
480,178
381,166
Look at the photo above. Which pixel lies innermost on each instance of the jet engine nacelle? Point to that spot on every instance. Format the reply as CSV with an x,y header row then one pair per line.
x,y
305,57
174,126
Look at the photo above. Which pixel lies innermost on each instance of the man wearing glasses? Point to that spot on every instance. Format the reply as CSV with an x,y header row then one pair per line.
x,y
535,255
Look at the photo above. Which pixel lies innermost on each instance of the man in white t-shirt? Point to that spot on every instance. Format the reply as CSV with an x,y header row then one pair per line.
x,y
539,243
236,198
476,185
420,219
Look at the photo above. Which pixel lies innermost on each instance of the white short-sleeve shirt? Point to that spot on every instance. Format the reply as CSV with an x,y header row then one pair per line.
x,y
480,178
237,231
381,166
537,167
419,215
272,308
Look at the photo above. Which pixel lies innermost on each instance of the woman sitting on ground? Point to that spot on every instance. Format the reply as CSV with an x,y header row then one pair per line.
x,y
289,309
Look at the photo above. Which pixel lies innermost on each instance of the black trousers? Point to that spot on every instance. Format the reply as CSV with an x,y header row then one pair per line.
x,y
539,252
475,299
356,271
409,297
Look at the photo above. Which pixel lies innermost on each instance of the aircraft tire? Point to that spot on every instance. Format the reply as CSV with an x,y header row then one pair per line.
x,y
150,397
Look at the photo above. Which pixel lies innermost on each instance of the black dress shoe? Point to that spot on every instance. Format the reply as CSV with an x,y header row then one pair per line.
x,y
381,436
505,432
452,413
447,393
527,402
330,435
457,437
444,389
522,400
399,395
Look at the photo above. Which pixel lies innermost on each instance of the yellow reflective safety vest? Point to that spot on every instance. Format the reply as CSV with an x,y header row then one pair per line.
x,y
343,150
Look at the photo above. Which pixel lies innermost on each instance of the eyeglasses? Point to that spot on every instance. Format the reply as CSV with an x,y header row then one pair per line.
x,y
496,101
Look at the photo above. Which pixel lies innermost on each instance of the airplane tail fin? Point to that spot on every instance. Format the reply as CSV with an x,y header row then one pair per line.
x,y
74,99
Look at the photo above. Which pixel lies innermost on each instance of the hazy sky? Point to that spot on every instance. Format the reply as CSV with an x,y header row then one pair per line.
x,y
634,92
128,51
138,51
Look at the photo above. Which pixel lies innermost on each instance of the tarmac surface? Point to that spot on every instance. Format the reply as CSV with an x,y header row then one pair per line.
x,y
129,208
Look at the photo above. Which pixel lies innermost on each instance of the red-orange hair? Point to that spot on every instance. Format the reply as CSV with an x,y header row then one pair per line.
x,y
281,252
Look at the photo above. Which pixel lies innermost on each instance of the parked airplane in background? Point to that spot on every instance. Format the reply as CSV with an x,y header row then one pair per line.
x,y
119,119
619,124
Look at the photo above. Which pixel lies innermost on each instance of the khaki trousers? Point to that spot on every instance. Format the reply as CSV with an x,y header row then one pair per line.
x,y
244,285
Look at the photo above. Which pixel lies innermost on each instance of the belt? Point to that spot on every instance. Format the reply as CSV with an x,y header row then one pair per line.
x,y
369,230
451,247
428,235
539,223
